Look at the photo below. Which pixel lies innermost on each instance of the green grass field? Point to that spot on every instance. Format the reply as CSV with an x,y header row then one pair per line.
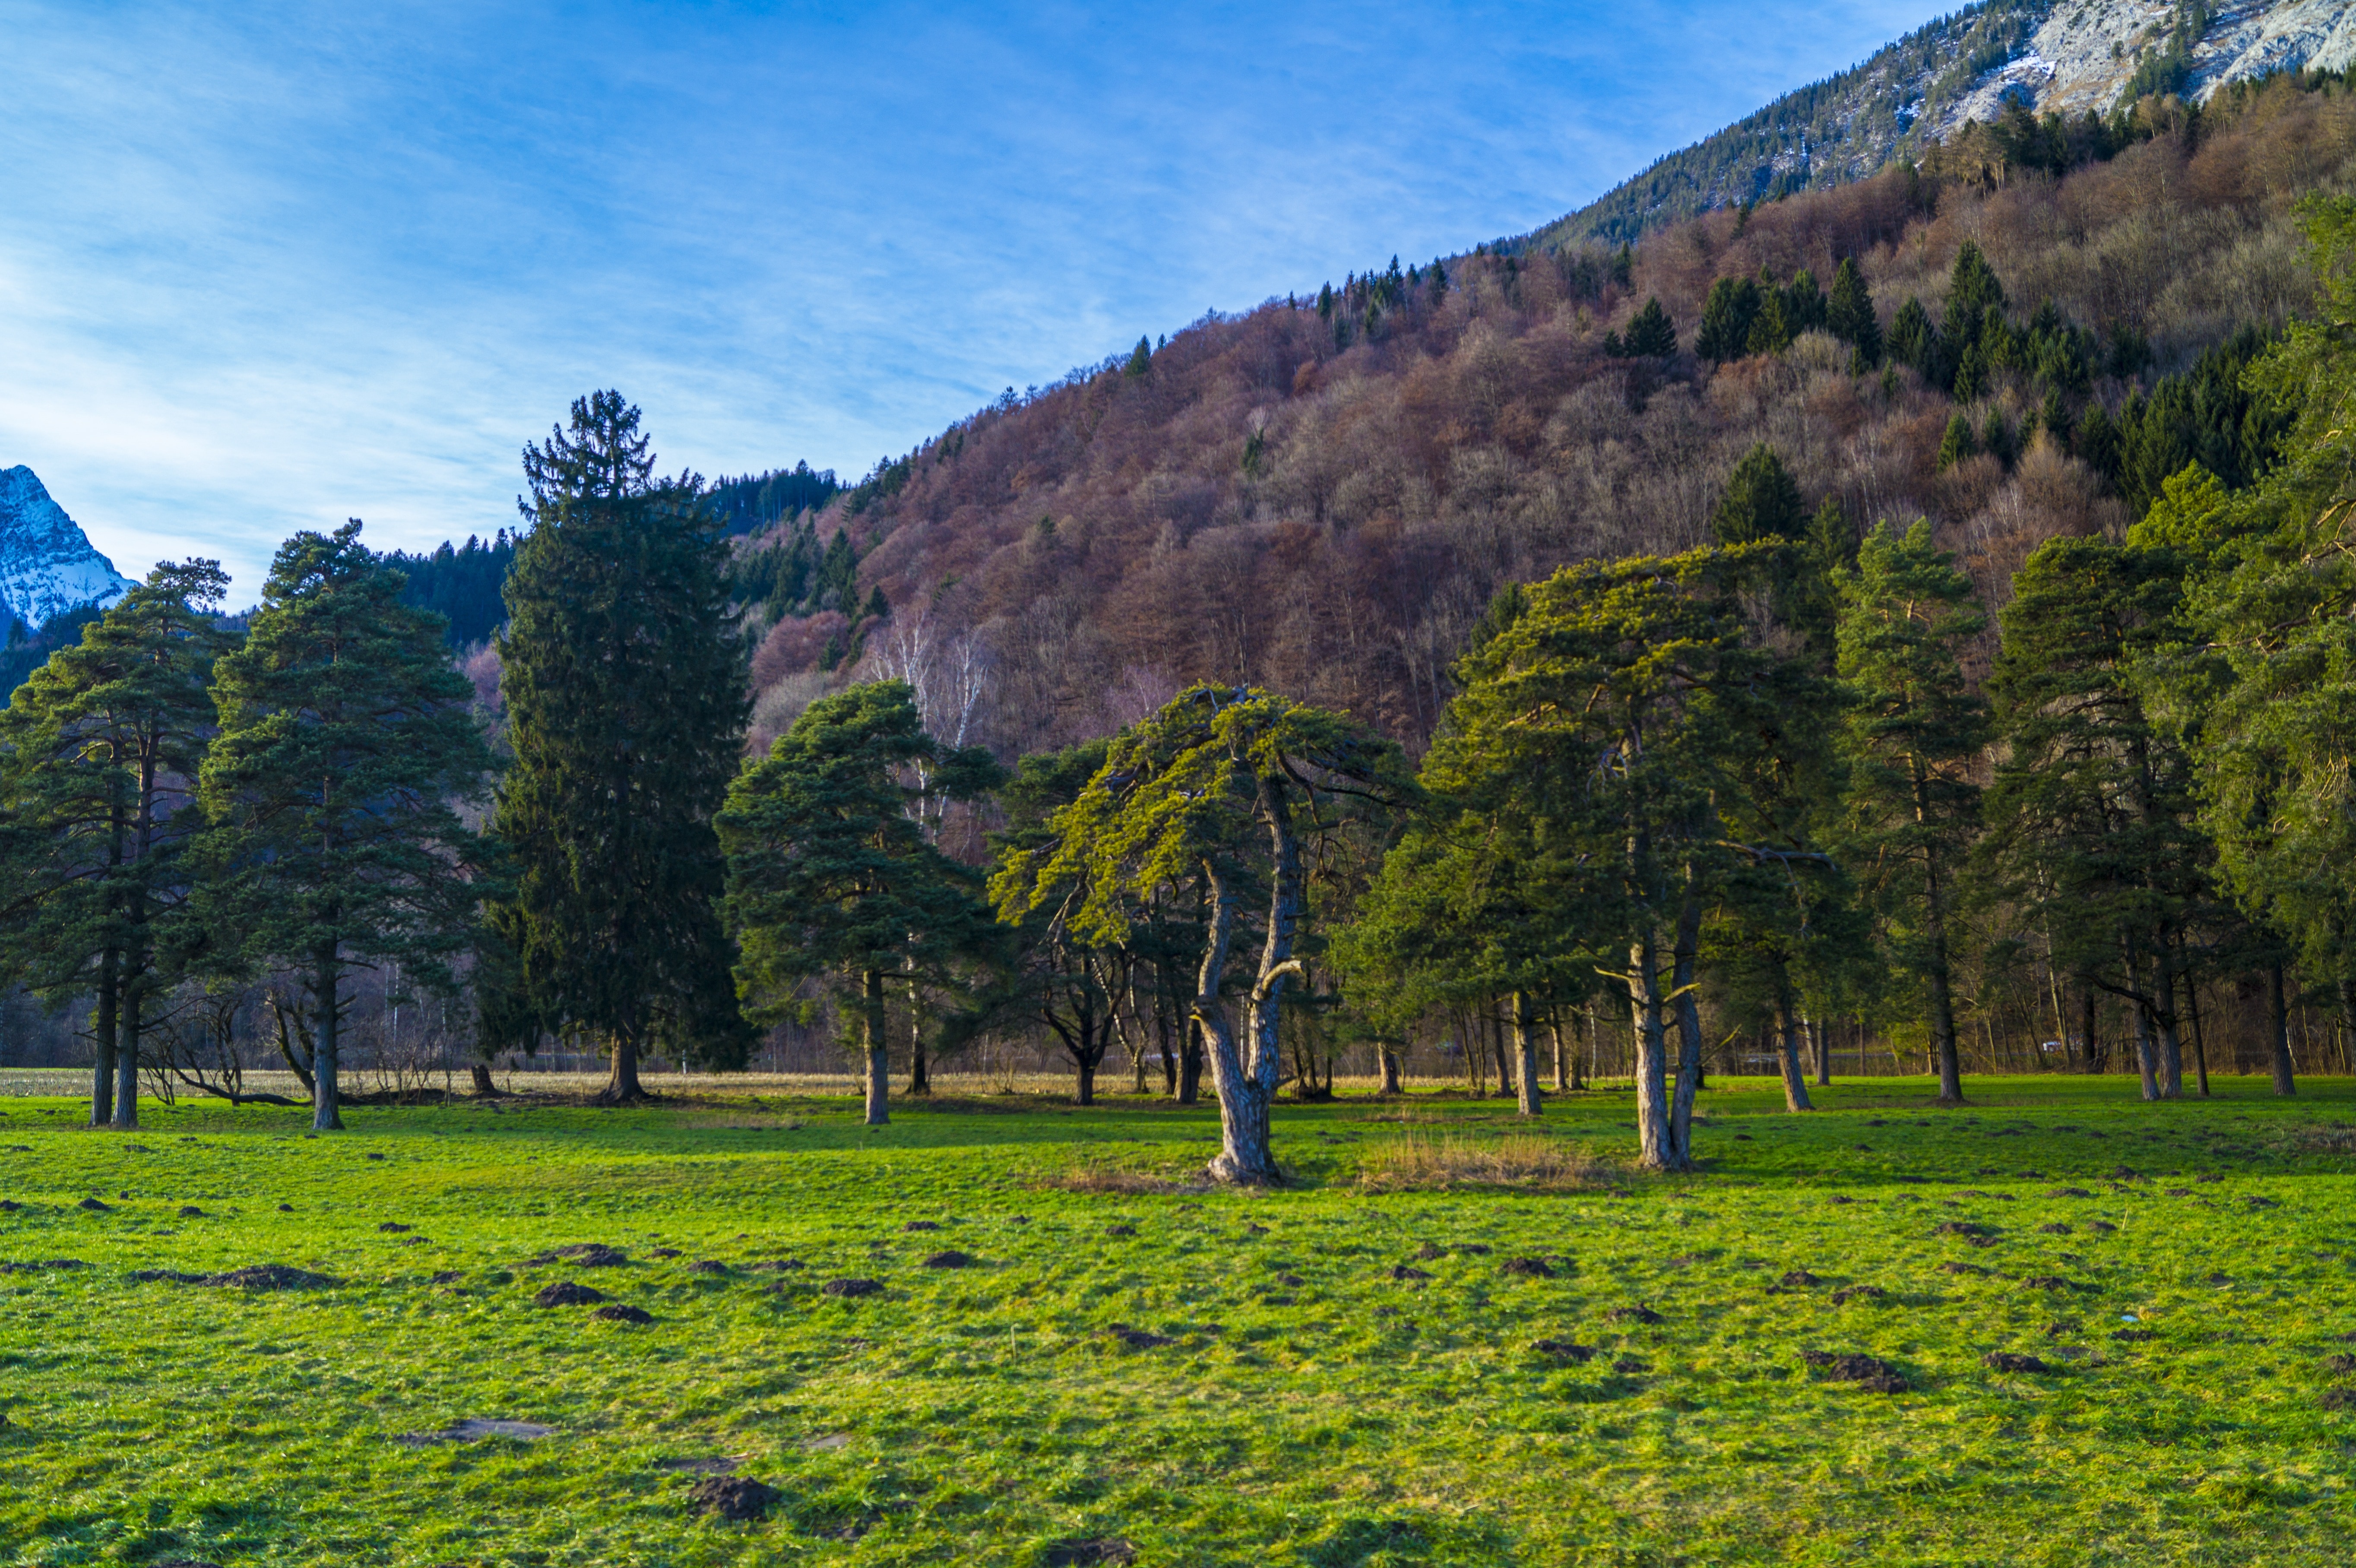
x,y
1176,1377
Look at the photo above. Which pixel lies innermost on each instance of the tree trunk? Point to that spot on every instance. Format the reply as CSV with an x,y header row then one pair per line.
x,y
1247,1085
1796,1078
1688,1007
1389,1060
2200,1041
326,1101
2278,1017
1526,1045
1654,1149
920,1077
1087,1082
1820,1032
1943,1001
2088,1004
126,1056
1189,1070
1507,1077
101,1083
2172,1043
879,1053
481,1074
2146,1052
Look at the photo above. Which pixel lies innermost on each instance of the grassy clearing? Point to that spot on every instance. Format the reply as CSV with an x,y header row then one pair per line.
x,y
1348,1371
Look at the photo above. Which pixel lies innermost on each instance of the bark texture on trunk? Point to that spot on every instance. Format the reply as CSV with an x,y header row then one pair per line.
x,y
126,1063
2095,1056
2147,1050
2278,1019
102,1084
326,1099
1654,1149
1389,1062
480,1073
1796,1078
1821,1031
1688,1010
1247,1078
1526,1045
2164,1019
879,1053
920,1076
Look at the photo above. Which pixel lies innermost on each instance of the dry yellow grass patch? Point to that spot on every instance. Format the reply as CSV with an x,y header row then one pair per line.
x,y
1419,1162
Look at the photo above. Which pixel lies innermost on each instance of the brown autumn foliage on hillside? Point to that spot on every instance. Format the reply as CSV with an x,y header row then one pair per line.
x,y
1329,518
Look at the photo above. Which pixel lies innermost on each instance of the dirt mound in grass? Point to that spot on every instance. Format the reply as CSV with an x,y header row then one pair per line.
x,y
1565,1351
1964,1228
1138,1338
2133,1336
1120,1229
588,1254
1849,1292
2069,1192
777,1266
2343,1364
163,1276
2339,1399
2012,1361
1527,1268
1798,1279
564,1293
851,1287
1088,1553
272,1276
2047,1282
921,1225
1635,1315
1962,1268
734,1498
447,1276
1407,1274
394,1228
620,1313
93,1206
707,1266
36,1265
1869,1372
952,1259
2056,1228
190,1211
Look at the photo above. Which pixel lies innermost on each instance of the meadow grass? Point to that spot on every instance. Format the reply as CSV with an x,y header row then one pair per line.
x,y
1343,1371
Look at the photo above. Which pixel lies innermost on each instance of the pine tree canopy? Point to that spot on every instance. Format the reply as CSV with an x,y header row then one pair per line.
x,y
1850,315
624,678
1652,335
99,755
1761,501
346,738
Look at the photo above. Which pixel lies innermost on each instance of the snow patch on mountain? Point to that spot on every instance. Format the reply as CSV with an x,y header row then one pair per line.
x,y
47,565
2083,55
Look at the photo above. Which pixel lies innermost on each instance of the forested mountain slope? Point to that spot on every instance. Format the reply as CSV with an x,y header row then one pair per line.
x,y
2052,55
1322,497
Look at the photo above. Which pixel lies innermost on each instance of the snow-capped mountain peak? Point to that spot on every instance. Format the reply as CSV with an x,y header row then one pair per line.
x,y
47,565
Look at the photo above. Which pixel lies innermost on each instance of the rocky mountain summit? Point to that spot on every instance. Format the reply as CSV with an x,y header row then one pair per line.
x,y
47,565
2066,57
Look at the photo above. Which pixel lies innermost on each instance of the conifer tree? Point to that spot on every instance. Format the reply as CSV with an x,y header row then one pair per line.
x,y
1972,292
1958,444
1913,732
1726,318
1849,316
1761,501
99,755
1652,335
624,679
832,875
1222,793
1770,327
1914,342
346,738
1140,359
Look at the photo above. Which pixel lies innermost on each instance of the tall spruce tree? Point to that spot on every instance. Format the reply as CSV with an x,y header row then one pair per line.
x,y
622,675
1915,729
99,755
1726,320
1762,503
1850,315
1652,335
346,740
832,878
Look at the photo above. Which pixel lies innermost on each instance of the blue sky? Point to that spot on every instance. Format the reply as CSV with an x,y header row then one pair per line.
x,y
266,266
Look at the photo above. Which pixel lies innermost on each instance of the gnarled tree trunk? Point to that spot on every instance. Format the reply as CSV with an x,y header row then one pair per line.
x,y
1246,1084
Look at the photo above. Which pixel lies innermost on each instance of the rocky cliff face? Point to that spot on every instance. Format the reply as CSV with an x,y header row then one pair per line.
x,y
2056,56
47,565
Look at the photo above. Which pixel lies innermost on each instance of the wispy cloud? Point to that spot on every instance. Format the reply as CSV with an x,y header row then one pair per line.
x,y
265,266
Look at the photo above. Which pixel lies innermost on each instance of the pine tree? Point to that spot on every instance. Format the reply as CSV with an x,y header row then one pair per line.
x,y
1972,292
1140,359
624,679
1914,342
1804,304
830,873
1761,501
1913,733
1849,316
345,738
1726,320
99,755
1652,335
2089,814
1221,792
1958,444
